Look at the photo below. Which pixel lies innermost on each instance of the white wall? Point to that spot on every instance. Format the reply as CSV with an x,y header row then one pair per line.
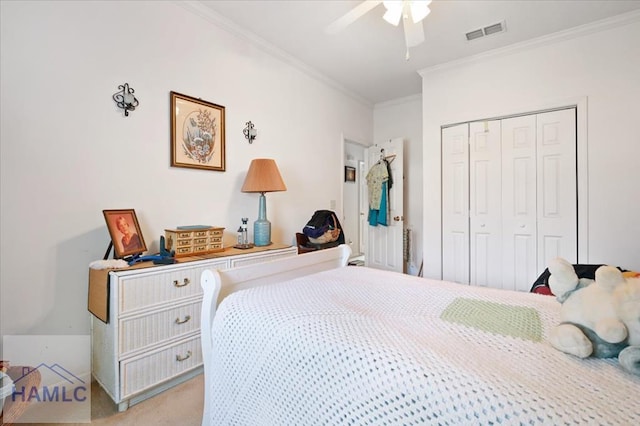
x,y
67,152
402,118
604,67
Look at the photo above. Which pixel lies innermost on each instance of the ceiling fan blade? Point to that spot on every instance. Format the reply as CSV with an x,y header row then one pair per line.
x,y
413,32
349,17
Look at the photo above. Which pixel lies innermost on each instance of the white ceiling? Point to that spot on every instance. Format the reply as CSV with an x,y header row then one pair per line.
x,y
368,57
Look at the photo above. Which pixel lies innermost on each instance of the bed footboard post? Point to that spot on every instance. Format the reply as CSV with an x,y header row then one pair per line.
x,y
210,283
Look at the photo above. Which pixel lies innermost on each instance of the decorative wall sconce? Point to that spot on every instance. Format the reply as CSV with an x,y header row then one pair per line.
x,y
125,99
250,132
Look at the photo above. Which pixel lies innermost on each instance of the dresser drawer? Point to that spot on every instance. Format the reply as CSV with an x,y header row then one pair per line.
x,y
140,292
184,242
138,332
141,373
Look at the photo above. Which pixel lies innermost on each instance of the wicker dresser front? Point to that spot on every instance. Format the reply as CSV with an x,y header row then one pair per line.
x,y
152,339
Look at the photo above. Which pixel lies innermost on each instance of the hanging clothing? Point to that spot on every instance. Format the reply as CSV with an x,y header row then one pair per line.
x,y
377,174
380,216
389,173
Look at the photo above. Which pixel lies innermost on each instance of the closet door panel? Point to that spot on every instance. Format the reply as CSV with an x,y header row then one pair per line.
x,y
455,203
485,196
519,230
509,198
557,184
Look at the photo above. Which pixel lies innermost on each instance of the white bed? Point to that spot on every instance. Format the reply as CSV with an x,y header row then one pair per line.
x,y
322,343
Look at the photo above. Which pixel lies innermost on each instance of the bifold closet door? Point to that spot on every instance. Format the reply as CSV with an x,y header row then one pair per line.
x,y
485,202
557,187
539,200
455,203
519,198
509,198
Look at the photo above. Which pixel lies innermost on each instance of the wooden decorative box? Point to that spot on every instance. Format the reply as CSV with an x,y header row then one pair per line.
x,y
191,241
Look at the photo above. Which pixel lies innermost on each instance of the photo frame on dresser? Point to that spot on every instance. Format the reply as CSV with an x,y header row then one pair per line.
x,y
197,133
125,232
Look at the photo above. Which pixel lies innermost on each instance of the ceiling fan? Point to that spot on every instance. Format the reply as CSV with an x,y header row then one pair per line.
x,y
411,12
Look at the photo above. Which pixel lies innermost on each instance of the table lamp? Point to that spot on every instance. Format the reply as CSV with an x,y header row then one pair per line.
x,y
263,176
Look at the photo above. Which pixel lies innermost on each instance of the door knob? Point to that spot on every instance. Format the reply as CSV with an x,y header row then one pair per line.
x,y
398,218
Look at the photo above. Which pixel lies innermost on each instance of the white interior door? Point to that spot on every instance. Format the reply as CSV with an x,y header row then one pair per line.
x,y
455,203
485,202
519,202
509,198
384,243
540,189
557,187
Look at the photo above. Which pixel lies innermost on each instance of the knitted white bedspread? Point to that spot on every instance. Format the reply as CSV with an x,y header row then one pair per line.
x,y
358,346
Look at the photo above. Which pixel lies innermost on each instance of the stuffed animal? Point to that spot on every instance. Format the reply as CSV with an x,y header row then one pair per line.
x,y
600,317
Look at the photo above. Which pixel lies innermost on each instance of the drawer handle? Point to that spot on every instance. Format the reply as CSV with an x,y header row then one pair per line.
x,y
183,358
186,319
186,281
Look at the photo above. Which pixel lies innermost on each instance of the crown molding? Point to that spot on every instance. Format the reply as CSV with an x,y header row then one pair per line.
x,y
399,101
579,31
196,7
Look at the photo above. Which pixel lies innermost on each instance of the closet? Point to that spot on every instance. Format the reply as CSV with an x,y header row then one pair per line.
x,y
509,198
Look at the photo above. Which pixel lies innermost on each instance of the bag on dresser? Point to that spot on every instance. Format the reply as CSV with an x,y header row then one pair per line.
x,y
322,228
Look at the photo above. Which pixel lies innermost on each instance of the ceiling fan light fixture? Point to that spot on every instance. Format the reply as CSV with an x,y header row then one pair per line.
x,y
394,11
419,10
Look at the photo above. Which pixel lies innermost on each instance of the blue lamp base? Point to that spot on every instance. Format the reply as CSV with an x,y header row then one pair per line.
x,y
262,227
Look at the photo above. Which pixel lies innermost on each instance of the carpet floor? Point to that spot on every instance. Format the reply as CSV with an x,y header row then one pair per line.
x,y
181,405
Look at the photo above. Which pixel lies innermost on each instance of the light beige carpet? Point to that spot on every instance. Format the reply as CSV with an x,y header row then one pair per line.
x,y
181,405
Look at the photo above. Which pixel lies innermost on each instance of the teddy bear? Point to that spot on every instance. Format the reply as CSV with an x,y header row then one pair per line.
x,y
599,318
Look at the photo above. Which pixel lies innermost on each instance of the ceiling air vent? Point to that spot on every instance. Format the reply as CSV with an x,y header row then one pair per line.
x,y
486,31
474,35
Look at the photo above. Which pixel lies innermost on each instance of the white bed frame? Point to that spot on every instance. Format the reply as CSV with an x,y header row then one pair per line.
x,y
219,284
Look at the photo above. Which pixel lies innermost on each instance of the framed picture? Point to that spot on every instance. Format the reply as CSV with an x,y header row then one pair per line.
x,y
125,232
349,174
197,133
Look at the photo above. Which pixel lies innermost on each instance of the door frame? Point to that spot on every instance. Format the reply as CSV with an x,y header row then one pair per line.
x,y
346,140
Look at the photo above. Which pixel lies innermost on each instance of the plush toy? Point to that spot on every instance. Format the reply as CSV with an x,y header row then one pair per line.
x,y
600,317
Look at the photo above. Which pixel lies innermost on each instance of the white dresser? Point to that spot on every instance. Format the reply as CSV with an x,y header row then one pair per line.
x,y
152,339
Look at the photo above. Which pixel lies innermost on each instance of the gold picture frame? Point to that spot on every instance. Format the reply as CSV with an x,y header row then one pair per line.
x,y
197,133
125,232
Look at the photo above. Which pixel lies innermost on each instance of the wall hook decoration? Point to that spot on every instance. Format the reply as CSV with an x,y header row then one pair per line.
x,y
250,132
125,99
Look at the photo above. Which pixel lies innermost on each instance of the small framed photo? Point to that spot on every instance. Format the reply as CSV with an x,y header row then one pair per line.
x,y
349,174
197,133
125,232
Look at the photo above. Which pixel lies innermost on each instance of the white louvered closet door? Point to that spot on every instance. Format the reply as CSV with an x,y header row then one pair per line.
x,y
455,203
